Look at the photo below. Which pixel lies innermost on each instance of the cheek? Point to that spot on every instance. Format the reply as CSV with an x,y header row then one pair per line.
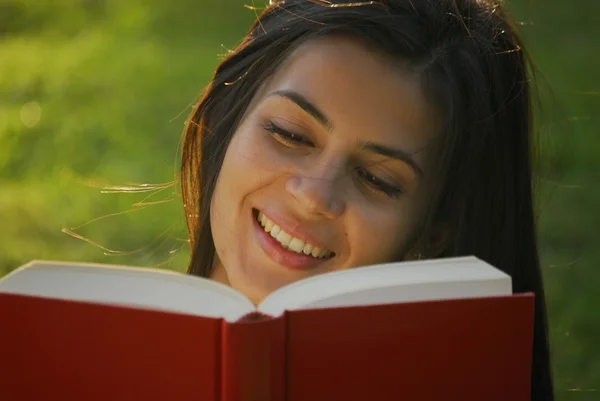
x,y
248,166
238,178
378,235
242,165
250,158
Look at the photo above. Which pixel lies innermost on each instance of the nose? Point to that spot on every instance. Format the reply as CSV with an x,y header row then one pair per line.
x,y
317,191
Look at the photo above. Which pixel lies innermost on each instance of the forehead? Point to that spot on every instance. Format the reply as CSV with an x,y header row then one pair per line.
x,y
360,90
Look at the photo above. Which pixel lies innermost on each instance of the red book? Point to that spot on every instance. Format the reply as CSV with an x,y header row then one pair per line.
x,y
447,329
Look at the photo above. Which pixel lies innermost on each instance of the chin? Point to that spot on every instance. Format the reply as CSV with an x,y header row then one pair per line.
x,y
258,286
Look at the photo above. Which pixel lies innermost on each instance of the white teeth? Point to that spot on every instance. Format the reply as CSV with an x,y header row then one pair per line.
x,y
284,238
316,252
274,231
296,245
307,249
288,241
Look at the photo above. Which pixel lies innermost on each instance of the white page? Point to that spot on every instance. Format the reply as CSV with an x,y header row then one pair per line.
x,y
451,278
128,286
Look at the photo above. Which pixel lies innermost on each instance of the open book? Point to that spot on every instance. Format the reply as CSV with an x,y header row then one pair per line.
x,y
175,292
89,331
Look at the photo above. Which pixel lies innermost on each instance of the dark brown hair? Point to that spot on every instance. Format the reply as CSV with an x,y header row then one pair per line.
x,y
471,63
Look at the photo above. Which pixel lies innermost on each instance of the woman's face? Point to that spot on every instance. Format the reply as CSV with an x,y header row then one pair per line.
x,y
329,169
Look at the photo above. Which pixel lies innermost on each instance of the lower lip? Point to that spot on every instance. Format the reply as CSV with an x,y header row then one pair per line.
x,y
275,251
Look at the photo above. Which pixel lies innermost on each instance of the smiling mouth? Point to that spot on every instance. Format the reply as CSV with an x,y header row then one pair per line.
x,y
288,241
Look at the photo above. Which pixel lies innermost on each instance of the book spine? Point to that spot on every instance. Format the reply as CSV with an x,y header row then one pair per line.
x,y
253,360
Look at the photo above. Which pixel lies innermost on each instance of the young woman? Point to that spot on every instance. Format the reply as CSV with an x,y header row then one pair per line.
x,y
342,134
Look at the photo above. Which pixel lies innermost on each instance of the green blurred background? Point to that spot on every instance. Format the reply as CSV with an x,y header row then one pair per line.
x,y
93,98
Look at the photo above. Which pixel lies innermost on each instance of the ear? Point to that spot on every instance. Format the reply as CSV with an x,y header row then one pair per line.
x,y
430,246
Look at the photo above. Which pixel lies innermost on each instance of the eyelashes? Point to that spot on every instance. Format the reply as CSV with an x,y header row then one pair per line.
x,y
286,137
377,184
294,140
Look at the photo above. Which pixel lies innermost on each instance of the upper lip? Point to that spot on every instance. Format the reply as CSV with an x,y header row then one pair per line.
x,y
294,228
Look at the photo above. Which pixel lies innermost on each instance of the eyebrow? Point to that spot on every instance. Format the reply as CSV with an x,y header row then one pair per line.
x,y
368,146
305,105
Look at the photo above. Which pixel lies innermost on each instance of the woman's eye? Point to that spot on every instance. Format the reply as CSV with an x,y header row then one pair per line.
x,y
378,185
287,138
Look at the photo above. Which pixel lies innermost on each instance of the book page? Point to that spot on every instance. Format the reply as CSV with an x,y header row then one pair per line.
x,y
451,278
128,286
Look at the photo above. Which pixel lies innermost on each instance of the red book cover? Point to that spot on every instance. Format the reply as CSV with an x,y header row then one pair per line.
x,y
467,349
